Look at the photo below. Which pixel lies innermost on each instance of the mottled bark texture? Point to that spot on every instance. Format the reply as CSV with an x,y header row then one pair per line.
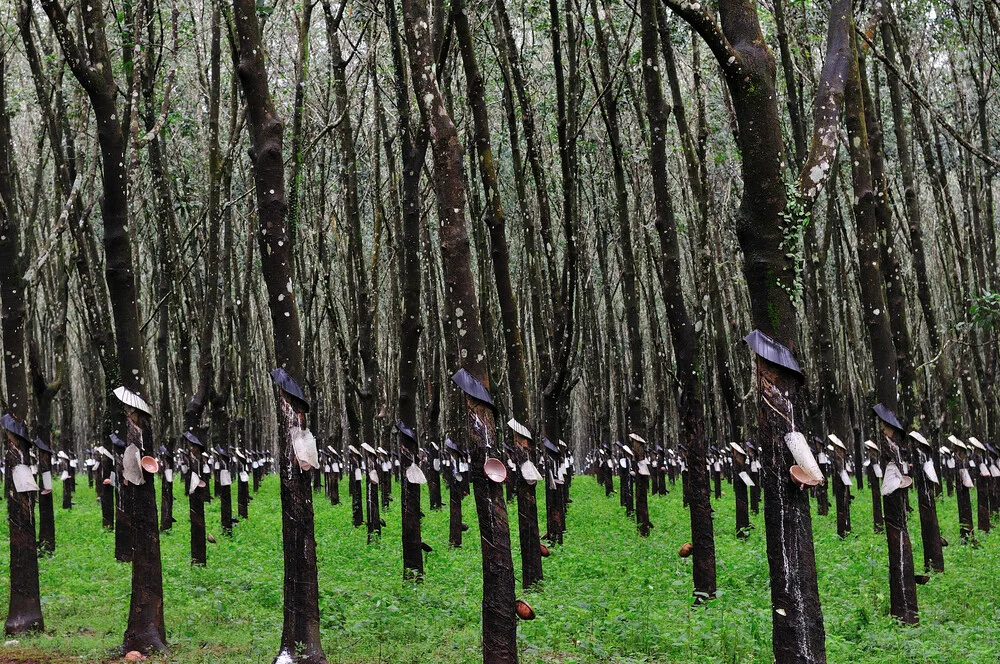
x,y
94,69
902,587
749,70
300,635
24,612
479,419
524,449
686,346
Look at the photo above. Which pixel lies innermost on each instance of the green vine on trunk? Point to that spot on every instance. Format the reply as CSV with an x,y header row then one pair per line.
x,y
796,218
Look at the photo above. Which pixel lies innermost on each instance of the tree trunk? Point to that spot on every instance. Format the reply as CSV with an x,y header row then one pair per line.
x,y
902,587
896,302
685,343
749,70
300,635
499,623
531,559
93,69
24,612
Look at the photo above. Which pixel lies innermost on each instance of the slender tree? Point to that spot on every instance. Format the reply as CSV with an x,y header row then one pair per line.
x,y
468,356
93,69
24,612
686,347
300,637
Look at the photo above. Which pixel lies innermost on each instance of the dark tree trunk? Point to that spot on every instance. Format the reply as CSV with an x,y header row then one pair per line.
x,y
875,484
300,636
356,490
45,395
499,622
414,151
106,492
221,438
964,500
749,70
842,493
196,505
982,503
123,512
456,491
373,520
206,368
742,506
902,587
243,495
896,303
531,559
24,612
433,473
93,69
635,420
46,515
685,343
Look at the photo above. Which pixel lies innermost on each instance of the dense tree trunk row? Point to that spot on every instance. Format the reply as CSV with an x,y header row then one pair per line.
x,y
564,202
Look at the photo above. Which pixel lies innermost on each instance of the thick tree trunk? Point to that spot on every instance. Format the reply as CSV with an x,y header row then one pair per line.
x,y
93,69
902,587
749,70
24,612
531,559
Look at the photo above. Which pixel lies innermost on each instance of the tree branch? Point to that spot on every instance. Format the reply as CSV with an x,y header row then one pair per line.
x,y
935,114
699,18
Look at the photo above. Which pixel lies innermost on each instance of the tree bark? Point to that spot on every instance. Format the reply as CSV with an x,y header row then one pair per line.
x,y
499,623
414,150
749,70
686,346
902,587
24,612
300,635
93,68
531,558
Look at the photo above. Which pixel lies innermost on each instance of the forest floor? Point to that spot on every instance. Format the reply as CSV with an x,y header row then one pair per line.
x,y
609,595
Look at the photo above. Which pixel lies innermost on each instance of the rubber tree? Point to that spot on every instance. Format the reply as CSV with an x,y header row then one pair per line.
x,y
413,146
93,68
300,635
24,612
686,346
468,356
496,221
902,586
749,70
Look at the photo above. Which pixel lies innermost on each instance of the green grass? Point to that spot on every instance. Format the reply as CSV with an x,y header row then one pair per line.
x,y
609,595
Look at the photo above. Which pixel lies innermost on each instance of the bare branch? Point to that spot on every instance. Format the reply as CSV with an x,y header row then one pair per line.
x,y
699,18
938,118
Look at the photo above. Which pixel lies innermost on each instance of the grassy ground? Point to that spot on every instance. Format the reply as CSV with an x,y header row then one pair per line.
x,y
609,596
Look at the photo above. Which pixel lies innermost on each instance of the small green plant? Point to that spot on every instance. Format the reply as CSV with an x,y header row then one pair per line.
x,y
796,219
985,310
